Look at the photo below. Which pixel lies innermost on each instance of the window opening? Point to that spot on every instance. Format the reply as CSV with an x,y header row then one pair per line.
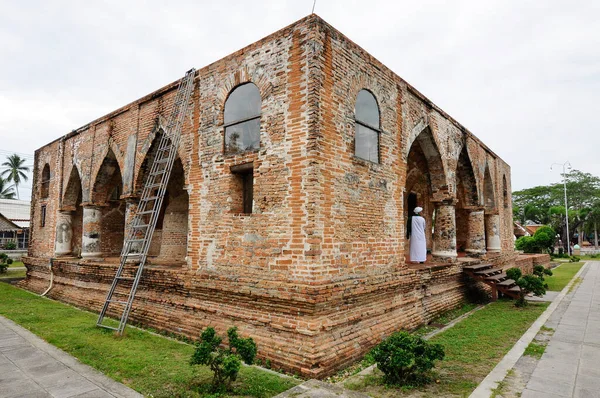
x,y
45,191
43,216
245,180
242,119
366,138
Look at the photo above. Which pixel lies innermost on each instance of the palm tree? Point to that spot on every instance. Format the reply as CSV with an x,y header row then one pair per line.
x,y
6,191
15,171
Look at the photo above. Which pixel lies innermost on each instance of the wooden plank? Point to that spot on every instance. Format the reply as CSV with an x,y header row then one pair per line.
x,y
489,272
496,278
507,282
476,267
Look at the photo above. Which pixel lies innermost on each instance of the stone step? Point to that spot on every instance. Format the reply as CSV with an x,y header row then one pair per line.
x,y
506,283
496,278
477,267
489,272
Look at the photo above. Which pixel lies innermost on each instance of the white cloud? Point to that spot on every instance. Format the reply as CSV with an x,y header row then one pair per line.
x,y
522,75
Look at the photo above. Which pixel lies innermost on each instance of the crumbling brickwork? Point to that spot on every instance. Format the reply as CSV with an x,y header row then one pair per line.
x,y
317,270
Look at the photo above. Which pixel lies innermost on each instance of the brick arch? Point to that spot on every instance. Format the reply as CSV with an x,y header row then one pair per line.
x,y
505,198
107,177
111,147
243,75
149,143
467,187
428,145
361,81
45,181
73,189
489,192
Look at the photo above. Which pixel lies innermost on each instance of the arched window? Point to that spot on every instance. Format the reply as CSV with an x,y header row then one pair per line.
x,y
505,192
366,139
45,187
242,119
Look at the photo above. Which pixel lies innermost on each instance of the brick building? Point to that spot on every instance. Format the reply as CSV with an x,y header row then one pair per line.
x,y
300,160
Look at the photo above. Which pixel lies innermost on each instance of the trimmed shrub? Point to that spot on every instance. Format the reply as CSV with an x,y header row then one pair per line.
x,y
224,363
528,284
406,359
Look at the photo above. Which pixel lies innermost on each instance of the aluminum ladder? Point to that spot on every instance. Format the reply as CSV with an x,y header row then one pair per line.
x,y
137,243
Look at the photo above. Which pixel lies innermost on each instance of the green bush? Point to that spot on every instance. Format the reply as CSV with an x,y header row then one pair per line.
x,y
4,262
574,259
406,359
533,283
541,242
526,244
10,246
224,363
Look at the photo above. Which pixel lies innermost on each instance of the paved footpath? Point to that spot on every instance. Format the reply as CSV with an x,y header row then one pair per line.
x,y
30,367
570,366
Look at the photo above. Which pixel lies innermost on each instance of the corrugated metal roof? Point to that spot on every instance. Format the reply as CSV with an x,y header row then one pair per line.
x,y
17,211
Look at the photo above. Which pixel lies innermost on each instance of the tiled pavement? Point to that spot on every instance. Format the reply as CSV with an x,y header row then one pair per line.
x,y
30,367
570,366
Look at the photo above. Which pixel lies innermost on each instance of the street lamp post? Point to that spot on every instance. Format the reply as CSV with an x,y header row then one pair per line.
x,y
564,166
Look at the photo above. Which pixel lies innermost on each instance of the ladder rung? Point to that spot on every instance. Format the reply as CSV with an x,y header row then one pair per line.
x,y
157,177
107,327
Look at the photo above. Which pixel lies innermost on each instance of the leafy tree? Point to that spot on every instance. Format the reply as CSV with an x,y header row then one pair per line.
x,y
405,359
545,204
541,242
533,283
15,170
224,363
6,191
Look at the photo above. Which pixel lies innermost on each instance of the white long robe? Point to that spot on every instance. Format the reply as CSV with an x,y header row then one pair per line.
x,y
418,246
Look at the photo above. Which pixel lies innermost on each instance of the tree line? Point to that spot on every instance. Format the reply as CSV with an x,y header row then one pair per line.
x,y
13,171
545,205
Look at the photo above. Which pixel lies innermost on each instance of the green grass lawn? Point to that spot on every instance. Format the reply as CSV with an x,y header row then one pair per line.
x,y
473,348
13,273
562,275
16,264
151,364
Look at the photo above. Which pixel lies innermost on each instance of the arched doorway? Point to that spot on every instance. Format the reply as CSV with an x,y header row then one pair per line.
x,y
169,242
466,199
492,216
106,194
72,204
425,177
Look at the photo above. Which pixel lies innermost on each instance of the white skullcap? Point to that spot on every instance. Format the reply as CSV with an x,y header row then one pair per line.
x,y
418,209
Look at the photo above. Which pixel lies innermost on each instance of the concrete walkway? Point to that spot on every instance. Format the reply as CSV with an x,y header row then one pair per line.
x,y
30,367
570,366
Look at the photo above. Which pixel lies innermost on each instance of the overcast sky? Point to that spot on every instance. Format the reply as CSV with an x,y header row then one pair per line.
x,y
524,76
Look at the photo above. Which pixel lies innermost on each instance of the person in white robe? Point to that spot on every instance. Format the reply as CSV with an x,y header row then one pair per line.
x,y
418,244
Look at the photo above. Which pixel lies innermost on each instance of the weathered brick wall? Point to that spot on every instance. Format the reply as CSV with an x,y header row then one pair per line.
x,y
311,330
317,272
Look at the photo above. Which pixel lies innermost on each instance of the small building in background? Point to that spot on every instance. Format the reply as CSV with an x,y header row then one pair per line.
x,y
14,223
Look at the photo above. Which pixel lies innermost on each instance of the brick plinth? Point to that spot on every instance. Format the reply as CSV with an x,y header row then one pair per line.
x,y
312,330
